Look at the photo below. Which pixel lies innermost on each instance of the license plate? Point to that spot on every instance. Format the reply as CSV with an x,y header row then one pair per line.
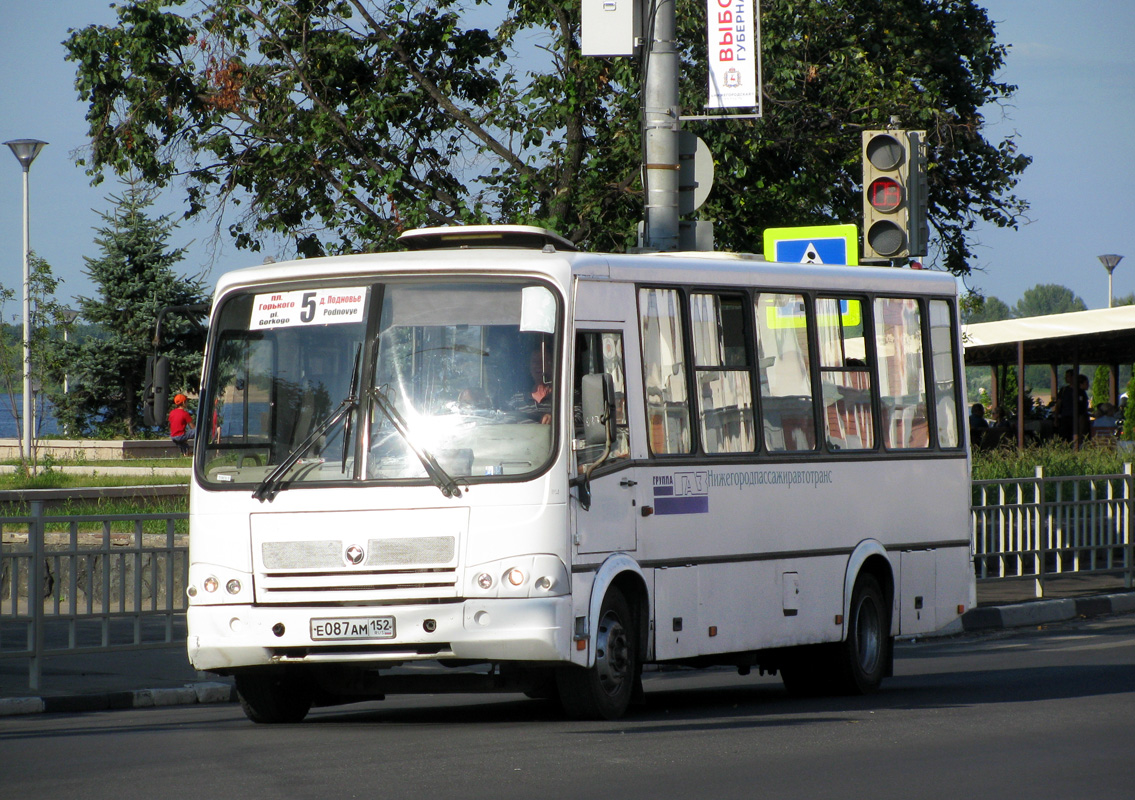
x,y
352,628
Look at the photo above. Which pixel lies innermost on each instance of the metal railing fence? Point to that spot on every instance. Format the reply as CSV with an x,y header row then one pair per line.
x,y
1036,528
90,583
117,582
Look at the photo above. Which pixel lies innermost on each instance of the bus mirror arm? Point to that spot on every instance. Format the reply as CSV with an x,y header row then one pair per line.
x,y
598,398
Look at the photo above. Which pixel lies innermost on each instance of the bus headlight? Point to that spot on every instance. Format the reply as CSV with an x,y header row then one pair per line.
x,y
524,576
207,580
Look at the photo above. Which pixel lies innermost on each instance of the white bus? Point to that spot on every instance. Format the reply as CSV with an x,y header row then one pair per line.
x,y
491,462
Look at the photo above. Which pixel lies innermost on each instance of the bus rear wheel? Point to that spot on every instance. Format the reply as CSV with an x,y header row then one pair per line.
x,y
858,663
604,691
862,657
273,695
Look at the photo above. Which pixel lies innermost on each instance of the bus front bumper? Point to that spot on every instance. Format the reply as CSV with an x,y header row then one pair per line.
x,y
531,629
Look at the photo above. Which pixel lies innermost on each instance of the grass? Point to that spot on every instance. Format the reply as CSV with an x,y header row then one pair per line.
x,y
184,462
52,479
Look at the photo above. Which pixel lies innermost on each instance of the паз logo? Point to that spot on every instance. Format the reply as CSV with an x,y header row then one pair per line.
x,y
355,554
681,493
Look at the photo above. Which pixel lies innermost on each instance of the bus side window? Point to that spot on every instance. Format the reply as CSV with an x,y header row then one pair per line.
x,y
664,371
902,382
845,376
723,375
942,363
785,373
597,352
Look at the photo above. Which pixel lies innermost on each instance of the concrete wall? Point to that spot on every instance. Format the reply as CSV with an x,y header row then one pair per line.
x,y
94,449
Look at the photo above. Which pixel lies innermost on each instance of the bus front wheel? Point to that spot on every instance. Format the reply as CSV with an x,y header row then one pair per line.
x,y
604,691
272,695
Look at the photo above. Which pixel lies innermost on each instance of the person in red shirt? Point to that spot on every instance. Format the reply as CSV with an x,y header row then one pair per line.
x,y
181,429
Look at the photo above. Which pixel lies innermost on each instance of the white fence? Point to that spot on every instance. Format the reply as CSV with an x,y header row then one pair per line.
x,y
80,583
1039,527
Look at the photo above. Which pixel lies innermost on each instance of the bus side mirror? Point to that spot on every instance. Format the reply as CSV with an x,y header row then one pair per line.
x,y
598,396
155,403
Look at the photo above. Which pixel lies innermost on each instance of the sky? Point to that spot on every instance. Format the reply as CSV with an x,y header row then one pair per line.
x,y
1074,113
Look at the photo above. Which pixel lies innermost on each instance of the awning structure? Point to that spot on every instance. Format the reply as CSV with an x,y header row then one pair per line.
x,y
1103,336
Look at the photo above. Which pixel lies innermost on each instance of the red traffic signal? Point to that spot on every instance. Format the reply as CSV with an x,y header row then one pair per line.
x,y
884,194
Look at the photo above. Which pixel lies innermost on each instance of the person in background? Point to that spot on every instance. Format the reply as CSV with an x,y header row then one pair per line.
x,y
1105,423
181,429
1065,401
978,424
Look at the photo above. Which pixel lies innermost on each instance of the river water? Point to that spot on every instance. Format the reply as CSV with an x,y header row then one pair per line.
x,y
46,425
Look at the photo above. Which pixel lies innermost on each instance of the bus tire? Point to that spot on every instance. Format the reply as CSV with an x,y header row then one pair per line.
x,y
273,696
604,691
862,658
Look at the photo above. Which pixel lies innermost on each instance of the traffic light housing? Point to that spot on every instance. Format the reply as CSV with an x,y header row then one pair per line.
x,y
894,194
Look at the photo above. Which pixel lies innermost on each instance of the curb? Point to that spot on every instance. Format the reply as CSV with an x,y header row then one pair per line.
x,y
1043,611
190,694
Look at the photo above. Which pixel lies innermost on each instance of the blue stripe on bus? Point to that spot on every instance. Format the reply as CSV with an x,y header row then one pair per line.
x,y
693,504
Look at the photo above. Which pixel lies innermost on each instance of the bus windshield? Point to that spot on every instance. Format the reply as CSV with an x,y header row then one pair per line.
x,y
453,381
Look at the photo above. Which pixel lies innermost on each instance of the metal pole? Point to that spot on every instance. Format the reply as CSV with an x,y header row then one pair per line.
x,y
35,592
27,404
660,127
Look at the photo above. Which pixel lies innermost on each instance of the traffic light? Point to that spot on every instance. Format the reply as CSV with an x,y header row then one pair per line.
x,y
894,194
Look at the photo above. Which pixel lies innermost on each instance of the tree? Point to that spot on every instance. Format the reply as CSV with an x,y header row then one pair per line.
x,y
135,279
976,308
48,321
1048,298
335,124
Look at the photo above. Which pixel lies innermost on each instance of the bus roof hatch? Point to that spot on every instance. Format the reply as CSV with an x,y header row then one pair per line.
x,y
459,236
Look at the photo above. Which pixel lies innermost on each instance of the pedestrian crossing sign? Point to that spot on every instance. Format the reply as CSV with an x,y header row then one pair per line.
x,y
814,244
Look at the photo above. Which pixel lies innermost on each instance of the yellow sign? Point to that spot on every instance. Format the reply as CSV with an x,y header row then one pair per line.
x,y
813,244
792,315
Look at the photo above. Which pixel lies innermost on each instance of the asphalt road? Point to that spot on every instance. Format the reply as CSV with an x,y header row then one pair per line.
x,y
1043,713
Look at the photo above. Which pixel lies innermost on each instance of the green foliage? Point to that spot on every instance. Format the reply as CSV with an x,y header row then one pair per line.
x,y
1048,298
1056,457
1129,412
135,278
1101,386
336,124
975,308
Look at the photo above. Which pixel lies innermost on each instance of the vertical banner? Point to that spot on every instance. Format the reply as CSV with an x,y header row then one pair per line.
x,y
734,53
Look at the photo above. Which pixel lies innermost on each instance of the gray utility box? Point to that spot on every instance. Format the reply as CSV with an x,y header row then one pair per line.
x,y
611,27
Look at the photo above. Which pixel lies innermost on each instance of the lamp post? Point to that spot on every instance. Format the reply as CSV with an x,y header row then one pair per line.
x,y
1110,262
69,317
25,151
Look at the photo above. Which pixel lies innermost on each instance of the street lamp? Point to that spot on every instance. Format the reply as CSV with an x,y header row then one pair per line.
x,y
1110,262
25,151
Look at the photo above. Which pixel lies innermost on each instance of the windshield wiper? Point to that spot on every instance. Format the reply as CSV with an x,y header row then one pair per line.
x,y
271,485
442,479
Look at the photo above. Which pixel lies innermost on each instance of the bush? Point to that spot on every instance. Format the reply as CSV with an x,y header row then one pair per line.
x,y
1057,458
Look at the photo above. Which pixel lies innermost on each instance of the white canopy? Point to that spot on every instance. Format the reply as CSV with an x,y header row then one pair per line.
x,y
1103,336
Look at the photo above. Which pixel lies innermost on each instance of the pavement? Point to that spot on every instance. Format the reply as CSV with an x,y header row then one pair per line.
x,y
163,677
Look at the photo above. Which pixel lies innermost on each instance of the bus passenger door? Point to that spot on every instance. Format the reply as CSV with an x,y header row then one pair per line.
x,y
609,524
